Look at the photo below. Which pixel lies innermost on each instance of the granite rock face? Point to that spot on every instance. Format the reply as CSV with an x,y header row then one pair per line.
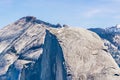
x,y
111,38
35,50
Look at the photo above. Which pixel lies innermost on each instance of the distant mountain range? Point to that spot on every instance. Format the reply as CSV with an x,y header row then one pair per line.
x,y
111,37
31,49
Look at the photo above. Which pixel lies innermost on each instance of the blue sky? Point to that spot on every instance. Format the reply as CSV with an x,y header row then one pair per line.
x,y
78,13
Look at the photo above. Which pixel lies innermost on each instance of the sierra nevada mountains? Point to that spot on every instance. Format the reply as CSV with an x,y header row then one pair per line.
x,y
31,49
111,38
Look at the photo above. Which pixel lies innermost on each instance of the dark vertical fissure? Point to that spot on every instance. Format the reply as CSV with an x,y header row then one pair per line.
x,y
52,67
50,64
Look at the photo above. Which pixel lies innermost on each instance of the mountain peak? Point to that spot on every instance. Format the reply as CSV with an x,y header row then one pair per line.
x,y
28,18
113,29
118,26
34,20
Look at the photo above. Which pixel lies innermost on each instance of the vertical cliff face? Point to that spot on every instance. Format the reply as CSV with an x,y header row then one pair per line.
x,y
50,65
24,45
43,51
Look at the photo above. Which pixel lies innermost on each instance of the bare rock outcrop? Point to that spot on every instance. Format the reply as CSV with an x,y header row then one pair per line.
x,y
36,50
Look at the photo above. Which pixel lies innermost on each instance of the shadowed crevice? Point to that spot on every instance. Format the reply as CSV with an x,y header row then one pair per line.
x,y
50,64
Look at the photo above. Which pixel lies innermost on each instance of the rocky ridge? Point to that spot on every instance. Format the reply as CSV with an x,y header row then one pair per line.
x,y
35,50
